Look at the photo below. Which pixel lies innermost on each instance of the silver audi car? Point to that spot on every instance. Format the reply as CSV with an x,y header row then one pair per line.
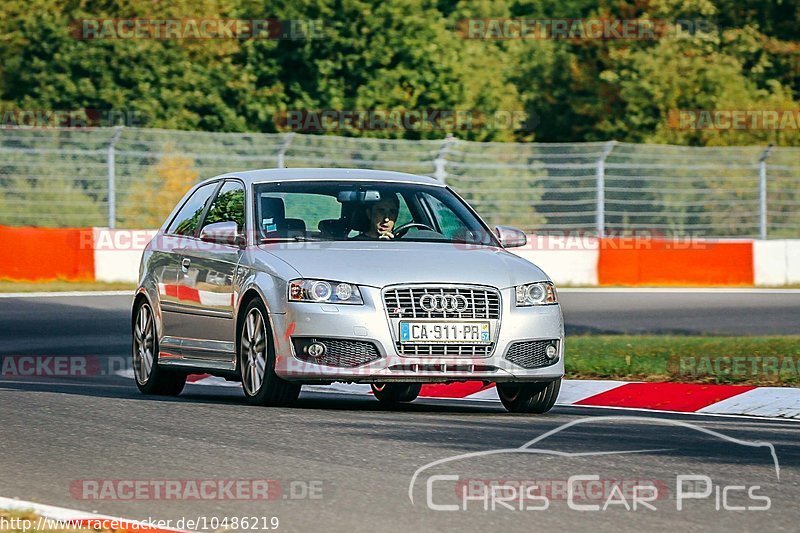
x,y
279,278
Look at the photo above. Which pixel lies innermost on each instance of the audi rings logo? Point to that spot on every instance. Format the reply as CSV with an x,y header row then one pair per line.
x,y
443,303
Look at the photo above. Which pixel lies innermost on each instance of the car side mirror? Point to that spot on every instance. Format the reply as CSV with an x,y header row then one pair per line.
x,y
510,237
222,233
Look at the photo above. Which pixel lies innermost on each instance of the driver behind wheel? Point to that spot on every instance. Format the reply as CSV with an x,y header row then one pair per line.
x,y
381,217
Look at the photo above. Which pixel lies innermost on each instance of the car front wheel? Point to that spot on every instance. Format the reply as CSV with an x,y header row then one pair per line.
x,y
257,361
396,392
536,397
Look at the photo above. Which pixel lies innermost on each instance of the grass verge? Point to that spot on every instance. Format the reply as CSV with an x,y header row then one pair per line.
x,y
732,360
63,286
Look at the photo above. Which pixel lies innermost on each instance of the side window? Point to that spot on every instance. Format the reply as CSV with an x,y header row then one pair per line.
x,y
187,219
449,223
228,206
403,214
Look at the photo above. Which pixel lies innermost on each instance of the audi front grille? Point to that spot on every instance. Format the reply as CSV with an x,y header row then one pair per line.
x,y
404,302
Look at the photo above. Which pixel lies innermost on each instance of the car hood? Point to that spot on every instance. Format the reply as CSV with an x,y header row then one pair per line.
x,y
378,264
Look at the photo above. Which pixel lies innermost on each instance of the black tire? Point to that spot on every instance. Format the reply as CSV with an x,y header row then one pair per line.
x,y
536,397
157,380
390,393
269,390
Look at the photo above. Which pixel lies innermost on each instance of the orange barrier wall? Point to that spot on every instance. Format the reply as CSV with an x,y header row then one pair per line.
x,y
628,262
46,254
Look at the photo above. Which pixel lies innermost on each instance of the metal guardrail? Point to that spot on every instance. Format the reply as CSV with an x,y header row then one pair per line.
x,y
130,177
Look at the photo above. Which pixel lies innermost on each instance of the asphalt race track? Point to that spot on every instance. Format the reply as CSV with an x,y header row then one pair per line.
x,y
345,463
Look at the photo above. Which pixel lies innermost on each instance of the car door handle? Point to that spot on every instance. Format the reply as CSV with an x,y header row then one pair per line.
x,y
186,263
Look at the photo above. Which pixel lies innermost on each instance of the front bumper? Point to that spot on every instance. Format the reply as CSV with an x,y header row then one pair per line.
x,y
370,323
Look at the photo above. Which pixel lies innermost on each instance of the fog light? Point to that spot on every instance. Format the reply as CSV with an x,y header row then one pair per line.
x,y
315,349
551,351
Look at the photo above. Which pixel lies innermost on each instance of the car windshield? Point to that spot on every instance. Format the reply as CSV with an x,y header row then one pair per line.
x,y
380,211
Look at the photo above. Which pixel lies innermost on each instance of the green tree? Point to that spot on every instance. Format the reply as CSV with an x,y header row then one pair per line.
x,y
149,203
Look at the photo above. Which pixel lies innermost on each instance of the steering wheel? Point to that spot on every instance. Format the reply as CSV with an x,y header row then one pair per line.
x,y
402,230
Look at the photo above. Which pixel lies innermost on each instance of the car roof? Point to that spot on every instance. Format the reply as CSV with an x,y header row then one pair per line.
x,y
327,174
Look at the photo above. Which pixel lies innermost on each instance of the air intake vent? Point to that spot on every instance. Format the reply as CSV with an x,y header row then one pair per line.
x,y
338,352
531,354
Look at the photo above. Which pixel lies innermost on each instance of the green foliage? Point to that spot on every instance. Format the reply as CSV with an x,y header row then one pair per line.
x,y
69,205
400,55
407,55
153,197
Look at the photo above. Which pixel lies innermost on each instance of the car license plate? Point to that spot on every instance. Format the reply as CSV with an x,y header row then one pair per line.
x,y
443,332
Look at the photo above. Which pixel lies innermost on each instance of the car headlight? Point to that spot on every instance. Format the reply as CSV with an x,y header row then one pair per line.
x,y
542,293
326,292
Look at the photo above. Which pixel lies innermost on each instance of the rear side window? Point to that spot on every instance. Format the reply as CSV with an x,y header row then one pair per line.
x,y
228,206
188,218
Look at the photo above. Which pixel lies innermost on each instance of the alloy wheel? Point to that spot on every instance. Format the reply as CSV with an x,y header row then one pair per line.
x,y
144,344
254,351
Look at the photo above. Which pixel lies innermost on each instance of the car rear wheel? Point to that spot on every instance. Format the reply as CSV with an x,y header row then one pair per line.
x,y
256,356
536,397
151,378
396,392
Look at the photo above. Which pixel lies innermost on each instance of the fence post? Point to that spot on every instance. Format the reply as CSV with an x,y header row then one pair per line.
x,y
112,178
762,192
439,164
284,148
600,178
